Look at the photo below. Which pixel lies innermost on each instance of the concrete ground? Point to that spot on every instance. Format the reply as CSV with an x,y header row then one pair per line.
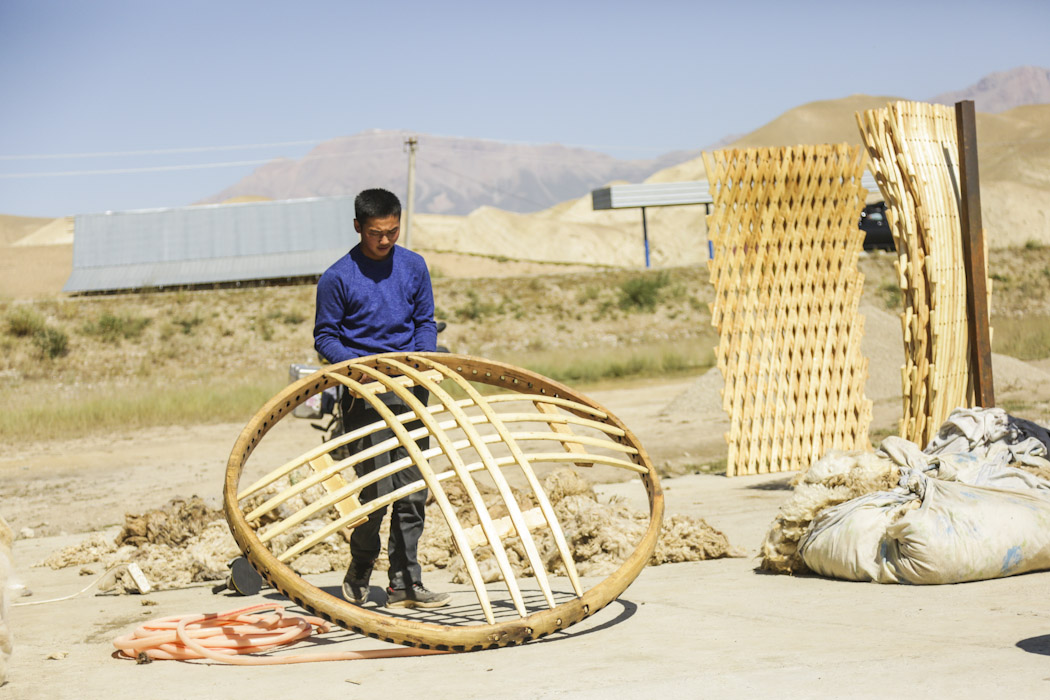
x,y
705,629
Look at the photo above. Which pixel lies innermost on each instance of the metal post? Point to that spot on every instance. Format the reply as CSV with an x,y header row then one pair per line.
x,y
710,245
645,236
973,253
410,144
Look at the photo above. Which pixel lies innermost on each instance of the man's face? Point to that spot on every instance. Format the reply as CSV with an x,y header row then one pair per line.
x,y
378,235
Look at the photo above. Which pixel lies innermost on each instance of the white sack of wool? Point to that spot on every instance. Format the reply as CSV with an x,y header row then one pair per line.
x,y
931,532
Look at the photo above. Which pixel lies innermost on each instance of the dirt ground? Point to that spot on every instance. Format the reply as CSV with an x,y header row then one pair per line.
x,y
706,628
709,628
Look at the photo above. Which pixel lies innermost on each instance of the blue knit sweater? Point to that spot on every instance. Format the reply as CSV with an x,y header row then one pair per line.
x,y
367,306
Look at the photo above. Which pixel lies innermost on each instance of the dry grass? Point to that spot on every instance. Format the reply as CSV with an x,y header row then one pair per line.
x,y
190,357
183,358
56,412
589,366
1025,337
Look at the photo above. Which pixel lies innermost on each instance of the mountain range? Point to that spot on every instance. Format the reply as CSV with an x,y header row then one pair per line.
x,y
998,92
458,175
453,175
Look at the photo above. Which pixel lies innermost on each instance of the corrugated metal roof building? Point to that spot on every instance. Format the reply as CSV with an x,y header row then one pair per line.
x,y
211,244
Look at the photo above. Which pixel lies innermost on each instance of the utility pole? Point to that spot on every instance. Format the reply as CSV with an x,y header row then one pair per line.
x,y
410,144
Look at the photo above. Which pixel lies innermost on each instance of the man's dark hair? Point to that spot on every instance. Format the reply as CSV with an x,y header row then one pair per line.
x,y
376,204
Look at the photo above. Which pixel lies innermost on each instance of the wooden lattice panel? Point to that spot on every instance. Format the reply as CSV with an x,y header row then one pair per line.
x,y
914,155
475,439
786,243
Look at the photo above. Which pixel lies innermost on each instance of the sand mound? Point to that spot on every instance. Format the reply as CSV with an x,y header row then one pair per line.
x,y
1011,374
55,232
568,233
881,344
703,399
13,228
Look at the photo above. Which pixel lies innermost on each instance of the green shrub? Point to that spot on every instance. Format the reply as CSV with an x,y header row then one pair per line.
x,y
23,322
264,329
293,317
891,295
588,293
642,293
51,342
474,309
112,328
187,324
1033,244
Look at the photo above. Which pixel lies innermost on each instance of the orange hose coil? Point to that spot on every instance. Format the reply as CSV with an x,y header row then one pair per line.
x,y
231,637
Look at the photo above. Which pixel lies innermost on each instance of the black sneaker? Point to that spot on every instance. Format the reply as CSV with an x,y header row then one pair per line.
x,y
415,597
355,583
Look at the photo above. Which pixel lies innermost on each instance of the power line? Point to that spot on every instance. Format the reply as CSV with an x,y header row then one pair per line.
x,y
222,164
191,166
126,171
261,161
308,142
161,151
487,185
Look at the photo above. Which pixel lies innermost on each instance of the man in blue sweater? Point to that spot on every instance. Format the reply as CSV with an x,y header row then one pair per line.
x,y
377,298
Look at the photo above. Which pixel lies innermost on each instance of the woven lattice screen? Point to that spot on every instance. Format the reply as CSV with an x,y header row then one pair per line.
x,y
914,156
786,243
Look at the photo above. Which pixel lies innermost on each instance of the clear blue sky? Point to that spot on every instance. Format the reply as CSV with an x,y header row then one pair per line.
x,y
628,78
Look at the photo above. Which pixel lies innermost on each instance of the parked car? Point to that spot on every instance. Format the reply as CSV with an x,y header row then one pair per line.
x,y
876,228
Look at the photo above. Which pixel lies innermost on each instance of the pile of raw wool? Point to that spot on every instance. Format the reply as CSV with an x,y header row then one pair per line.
x,y
187,542
835,478
601,535
331,554
7,536
181,543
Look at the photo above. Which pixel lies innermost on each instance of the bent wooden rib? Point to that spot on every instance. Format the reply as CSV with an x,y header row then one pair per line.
x,y
611,444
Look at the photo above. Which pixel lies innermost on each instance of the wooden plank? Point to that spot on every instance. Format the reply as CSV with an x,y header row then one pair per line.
x,y
563,429
973,253
334,483
505,527
374,387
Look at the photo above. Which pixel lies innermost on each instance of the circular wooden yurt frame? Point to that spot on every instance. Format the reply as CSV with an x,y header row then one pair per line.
x,y
557,405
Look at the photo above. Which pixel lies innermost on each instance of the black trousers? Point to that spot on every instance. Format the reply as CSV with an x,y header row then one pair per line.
x,y
406,514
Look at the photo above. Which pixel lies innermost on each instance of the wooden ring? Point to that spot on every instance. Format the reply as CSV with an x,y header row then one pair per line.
x,y
582,433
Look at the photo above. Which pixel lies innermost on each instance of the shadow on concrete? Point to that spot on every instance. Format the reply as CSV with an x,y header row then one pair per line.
x,y
574,632
1036,645
462,612
778,485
